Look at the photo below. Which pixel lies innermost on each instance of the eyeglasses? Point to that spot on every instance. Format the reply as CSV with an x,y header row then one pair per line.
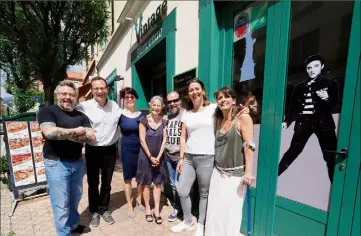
x,y
101,89
70,94
129,97
174,100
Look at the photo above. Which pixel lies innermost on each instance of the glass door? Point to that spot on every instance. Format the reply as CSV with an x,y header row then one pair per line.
x,y
315,103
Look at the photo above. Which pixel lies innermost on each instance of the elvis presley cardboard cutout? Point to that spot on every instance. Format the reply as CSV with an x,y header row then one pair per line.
x,y
311,108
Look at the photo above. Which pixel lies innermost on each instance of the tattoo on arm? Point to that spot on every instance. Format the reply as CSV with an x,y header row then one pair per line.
x,y
52,132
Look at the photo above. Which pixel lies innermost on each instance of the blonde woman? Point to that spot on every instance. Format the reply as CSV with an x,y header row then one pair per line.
x,y
151,163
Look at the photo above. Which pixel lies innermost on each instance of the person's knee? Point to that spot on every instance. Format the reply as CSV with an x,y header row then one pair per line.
x,y
183,191
203,194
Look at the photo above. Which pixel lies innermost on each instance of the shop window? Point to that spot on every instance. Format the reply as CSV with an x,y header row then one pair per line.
x,y
319,41
249,45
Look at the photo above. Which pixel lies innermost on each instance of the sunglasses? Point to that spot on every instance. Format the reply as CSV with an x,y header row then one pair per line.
x,y
174,100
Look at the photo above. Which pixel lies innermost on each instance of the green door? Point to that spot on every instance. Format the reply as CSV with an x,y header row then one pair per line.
x,y
303,196
311,182
239,46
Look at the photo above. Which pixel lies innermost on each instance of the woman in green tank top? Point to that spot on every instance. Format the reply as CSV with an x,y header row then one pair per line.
x,y
234,149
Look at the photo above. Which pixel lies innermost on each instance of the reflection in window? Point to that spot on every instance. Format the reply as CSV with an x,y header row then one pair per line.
x,y
249,53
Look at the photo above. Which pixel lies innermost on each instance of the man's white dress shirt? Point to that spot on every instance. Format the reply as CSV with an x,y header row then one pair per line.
x,y
103,120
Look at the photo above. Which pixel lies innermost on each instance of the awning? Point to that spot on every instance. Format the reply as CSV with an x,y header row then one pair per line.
x,y
111,77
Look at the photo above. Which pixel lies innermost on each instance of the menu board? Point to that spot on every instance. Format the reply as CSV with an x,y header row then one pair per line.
x,y
37,143
20,152
180,81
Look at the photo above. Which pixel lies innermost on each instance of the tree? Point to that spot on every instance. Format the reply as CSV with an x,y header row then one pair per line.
x,y
40,39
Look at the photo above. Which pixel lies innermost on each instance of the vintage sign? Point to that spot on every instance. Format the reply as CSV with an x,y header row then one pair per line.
x,y
141,29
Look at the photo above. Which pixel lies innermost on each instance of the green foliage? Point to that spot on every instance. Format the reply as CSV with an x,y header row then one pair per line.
x,y
23,99
40,39
4,165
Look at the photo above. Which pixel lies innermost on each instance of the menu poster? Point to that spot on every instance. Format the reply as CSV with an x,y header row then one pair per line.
x,y
37,143
20,152
180,81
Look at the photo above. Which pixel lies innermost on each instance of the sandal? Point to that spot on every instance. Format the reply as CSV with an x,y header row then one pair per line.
x,y
149,218
158,219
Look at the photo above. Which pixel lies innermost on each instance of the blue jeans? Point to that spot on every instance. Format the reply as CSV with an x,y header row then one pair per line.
x,y
65,182
173,176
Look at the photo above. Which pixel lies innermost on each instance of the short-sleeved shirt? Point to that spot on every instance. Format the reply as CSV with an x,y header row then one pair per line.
x,y
200,131
103,120
174,128
65,150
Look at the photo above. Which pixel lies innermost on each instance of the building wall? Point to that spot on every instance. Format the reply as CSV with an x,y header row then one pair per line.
x,y
186,41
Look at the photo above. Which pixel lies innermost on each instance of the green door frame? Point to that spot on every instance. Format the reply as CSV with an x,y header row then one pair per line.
x,y
343,202
167,29
329,220
215,56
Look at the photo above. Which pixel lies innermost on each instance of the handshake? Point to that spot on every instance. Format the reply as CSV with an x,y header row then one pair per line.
x,y
86,134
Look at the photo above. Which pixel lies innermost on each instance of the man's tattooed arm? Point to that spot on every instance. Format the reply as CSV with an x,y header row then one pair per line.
x,y
80,134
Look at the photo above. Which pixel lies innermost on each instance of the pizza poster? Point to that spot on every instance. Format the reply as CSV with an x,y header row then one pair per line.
x,y
37,143
20,152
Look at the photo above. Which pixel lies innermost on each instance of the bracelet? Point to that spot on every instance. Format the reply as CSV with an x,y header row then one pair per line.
x,y
180,158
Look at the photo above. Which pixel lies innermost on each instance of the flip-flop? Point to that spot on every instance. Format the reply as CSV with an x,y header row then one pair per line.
x,y
149,218
131,215
158,219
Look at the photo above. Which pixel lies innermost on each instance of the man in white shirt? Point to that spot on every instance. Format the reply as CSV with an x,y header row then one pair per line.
x,y
101,154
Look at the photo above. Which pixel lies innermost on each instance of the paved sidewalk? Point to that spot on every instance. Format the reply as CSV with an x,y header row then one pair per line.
x,y
35,217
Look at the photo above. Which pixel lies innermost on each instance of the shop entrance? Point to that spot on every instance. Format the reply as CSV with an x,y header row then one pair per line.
x,y
307,163
152,71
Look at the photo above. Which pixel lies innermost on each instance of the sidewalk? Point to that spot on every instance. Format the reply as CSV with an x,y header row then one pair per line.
x,y
35,217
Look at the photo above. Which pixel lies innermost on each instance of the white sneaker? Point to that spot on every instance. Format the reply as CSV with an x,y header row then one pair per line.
x,y
200,230
181,227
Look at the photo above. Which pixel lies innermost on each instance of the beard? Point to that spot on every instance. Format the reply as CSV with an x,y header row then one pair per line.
x,y
66,107
174,111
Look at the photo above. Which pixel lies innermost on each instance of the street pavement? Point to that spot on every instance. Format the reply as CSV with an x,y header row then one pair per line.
x,y
35,217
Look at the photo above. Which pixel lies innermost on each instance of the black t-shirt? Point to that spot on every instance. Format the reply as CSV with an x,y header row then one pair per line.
x,y
64,149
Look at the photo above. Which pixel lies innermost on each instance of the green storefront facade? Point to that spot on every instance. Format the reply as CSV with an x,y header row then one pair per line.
x,y
274,214
279,36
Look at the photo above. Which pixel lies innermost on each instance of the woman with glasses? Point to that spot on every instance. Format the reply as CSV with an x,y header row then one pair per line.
x,y
130,145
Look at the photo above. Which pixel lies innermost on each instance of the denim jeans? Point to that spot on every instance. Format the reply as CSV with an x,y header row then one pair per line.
x,y
173,177
65,182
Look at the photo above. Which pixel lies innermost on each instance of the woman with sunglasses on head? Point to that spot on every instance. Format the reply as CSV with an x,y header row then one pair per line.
x,y
196,156
130,146
232,172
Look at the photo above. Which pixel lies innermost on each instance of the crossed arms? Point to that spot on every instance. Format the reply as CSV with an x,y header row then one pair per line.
x,y
80,134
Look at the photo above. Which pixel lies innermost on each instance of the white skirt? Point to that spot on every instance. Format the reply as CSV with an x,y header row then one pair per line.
x,y
224,208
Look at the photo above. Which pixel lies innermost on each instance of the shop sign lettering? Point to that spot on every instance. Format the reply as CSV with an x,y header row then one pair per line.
x,y
141,29
142,48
